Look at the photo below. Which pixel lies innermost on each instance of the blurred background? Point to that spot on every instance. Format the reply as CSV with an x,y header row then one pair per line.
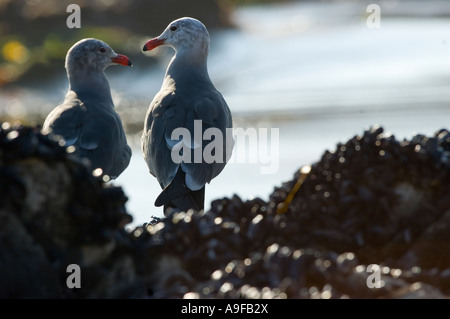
x,y
315,70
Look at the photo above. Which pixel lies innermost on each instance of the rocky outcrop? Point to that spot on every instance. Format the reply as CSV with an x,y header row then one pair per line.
x,y
55,213
369,220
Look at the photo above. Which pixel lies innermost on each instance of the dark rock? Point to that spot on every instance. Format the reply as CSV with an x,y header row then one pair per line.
x,y
54,213
374,198
368,220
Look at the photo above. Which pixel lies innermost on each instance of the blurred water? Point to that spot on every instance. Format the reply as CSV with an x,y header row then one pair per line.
x,y
313,70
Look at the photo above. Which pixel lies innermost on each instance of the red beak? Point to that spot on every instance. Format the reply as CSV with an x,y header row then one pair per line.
x,y
122,59
153,43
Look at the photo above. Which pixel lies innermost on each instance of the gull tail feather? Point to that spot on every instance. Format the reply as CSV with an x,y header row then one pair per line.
x,y
177,196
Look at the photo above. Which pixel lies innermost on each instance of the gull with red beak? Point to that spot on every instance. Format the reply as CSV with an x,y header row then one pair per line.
x,y
87,119
187,97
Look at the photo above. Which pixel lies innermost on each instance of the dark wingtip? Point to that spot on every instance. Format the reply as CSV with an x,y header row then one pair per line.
x,y
129,63
160,200
144,48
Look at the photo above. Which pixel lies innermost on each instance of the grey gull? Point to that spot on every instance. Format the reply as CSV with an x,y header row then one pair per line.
x,y
187,100
87,118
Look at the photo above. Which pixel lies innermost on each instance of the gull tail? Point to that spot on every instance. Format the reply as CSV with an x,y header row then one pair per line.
x,y
177,196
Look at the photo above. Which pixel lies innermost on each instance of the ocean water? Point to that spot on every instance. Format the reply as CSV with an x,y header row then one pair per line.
x,y
308,75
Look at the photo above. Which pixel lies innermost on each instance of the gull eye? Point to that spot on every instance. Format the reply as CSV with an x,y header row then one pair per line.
x,y
173,28
102,50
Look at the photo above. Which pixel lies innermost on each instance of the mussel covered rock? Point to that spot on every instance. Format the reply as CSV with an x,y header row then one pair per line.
x,y
54,213
370,219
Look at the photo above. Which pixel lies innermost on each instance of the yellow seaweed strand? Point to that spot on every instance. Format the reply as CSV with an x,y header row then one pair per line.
x,y
283,207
